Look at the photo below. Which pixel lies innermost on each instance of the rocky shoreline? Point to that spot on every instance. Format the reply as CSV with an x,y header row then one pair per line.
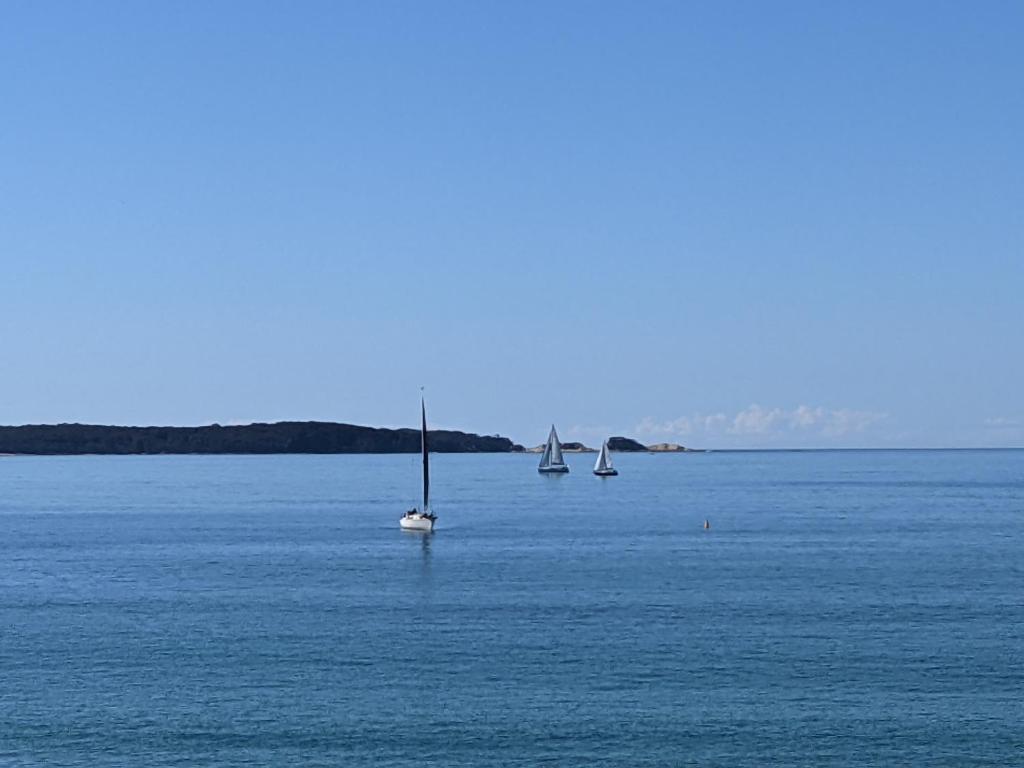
x,y
618,444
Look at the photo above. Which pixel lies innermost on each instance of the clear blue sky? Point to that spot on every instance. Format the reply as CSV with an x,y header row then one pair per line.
x,y
722,224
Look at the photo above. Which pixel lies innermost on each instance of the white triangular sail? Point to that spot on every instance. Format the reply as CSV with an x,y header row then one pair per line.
x,y
604,459
556,447
545,459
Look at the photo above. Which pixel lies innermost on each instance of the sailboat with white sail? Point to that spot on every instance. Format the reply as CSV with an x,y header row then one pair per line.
x,y
421,519
551,462
603,467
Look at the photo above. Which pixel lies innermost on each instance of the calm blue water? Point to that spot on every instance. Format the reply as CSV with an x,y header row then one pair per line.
x,y
845,609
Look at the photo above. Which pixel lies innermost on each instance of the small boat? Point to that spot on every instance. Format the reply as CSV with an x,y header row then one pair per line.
x,y
552,462
603,467
421,519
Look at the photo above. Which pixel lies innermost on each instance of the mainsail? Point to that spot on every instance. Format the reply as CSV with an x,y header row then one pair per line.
x,y
604,461
555,446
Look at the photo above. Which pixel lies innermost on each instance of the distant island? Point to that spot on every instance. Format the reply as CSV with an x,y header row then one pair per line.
x,y
623,444
628,444
281,437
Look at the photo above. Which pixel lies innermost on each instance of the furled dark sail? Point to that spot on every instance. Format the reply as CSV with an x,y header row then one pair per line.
x,y
426,462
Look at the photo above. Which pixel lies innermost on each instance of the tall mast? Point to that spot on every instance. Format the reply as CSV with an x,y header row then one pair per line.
x,y
426,463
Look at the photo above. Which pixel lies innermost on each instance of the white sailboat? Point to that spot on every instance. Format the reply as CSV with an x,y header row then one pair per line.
x,y
552,461
421,519
603,467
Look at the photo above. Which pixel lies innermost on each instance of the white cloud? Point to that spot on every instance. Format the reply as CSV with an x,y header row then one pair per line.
x,y
650,427
1002,422
759,422
756,420
846,421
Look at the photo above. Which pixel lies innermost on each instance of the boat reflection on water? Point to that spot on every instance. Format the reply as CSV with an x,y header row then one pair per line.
x,y
419,540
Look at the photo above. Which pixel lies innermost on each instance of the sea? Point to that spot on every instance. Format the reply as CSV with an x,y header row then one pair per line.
x,y
845,608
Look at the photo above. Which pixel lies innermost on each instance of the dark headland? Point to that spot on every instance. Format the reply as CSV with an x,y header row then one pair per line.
x,y
282,437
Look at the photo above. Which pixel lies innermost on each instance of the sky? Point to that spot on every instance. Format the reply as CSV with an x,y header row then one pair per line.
x,y
728,224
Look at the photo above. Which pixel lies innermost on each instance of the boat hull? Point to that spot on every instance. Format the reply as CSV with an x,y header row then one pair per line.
x,y
558,470
606,472
417,523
